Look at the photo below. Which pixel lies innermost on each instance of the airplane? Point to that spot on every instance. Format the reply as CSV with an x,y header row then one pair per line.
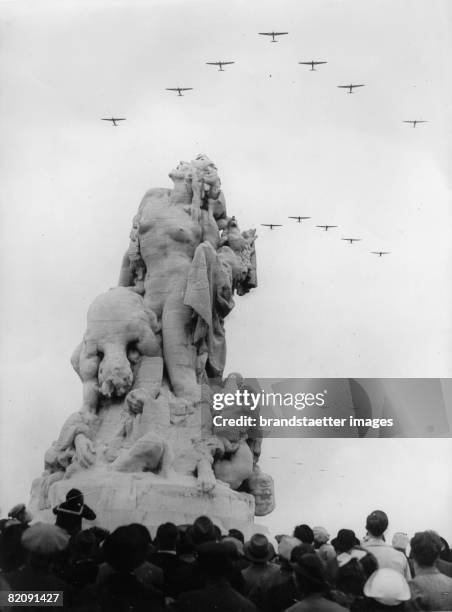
x,y
179,89
272,34
380,253
352,240
415,122
271,225
299,219
312,64
114,120
327,226
220,64
350,87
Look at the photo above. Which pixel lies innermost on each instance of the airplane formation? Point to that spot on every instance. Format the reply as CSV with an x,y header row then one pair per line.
x,y
325,227
312,63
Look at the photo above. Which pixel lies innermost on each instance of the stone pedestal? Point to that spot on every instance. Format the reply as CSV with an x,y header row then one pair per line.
x,y
123,498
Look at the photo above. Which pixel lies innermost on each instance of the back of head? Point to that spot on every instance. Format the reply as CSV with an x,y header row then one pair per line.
x,y
300,550
377,523
286,545
350,578
123,549
425,548
304,533
44,542
214,560
310,574
167,536
74,498
202,531
237,534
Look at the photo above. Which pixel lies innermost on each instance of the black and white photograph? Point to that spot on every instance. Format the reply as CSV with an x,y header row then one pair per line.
x,y
226,356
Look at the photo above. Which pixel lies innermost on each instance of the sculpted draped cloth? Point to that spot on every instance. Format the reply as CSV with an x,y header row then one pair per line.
x,y
209,294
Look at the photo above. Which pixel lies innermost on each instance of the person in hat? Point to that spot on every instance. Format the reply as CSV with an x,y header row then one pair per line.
x,y
387,589
215,562
346,546
166,557
304,533
70,513
314,590
259,552
12,553
20,513
280,591
387,556
121,588
430,589
43,544
192,576
322,547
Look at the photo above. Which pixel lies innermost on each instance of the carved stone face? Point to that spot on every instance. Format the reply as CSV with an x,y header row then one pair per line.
x,y
182,171
207,169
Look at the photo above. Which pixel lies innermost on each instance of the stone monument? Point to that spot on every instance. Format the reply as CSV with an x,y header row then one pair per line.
x,y
143,447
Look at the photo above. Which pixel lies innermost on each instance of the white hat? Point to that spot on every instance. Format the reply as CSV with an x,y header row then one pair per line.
x,y
286,546
387,586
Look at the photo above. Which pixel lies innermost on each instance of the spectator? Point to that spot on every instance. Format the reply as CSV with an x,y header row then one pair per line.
x,y
166,558
148,574
350,580
387,556
259,551
313,587
346,546
237,534
218,594
324,550
70,513
279,592
20,513
430,589
444,563
304,533
43,544
121,589
12,553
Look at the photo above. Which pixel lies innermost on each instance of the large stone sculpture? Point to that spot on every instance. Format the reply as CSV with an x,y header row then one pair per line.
x,y
152,356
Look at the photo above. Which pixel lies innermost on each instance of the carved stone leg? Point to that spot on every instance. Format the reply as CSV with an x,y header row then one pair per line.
x,y
178,352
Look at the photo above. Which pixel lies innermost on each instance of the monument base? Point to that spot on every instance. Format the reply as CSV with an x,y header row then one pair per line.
x,y
142,497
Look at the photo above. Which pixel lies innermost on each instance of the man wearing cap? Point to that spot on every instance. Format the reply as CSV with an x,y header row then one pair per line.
x,y
259,551
20,513
70,513
42,543
386,555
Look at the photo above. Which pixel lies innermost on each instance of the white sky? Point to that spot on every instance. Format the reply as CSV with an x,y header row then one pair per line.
x,y
286,144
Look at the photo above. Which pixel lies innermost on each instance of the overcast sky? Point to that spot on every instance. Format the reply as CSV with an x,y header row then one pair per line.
x,y
286,141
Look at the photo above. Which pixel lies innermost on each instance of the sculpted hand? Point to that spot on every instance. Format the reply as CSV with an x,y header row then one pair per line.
x,y
84,451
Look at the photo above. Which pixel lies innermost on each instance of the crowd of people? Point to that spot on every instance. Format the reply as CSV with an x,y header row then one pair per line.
x,y
197,568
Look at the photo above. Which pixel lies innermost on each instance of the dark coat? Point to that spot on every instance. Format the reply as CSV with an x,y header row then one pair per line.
x,y
218,598
69,516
